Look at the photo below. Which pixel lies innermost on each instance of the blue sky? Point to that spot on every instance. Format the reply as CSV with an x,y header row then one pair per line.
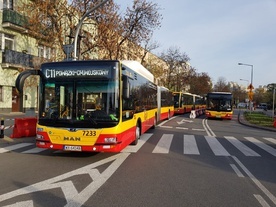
x,y
218,34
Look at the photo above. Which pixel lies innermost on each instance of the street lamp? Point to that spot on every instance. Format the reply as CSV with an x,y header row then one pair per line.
x,y
251,84
245,80
80,24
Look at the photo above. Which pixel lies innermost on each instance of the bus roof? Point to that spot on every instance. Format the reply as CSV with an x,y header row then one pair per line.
x,y
138,68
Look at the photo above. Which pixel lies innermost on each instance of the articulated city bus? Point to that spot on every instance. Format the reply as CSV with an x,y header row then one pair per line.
x,y
97,105
165,103
219,105
186,102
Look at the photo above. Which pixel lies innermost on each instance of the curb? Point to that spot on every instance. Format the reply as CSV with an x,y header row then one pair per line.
x,y
245,123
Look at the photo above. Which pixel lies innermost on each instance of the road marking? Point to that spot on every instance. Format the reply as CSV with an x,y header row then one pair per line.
x,y
242,147
22,204
164,122
183,121
207,128
216,147
237,171
262,145
271,140
34,150
256,181
14,147
134,148
190,146
261,200
163,146
73,197
181,128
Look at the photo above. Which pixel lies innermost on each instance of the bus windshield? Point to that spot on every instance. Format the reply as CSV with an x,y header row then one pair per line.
x,y
219,102
79,103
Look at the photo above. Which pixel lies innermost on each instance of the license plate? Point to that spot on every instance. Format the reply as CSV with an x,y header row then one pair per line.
x,y
72,148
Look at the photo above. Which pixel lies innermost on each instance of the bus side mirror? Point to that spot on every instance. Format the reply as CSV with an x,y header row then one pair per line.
x,y
19,82
126,87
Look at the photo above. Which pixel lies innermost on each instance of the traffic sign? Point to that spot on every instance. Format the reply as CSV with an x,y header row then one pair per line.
x,y
250,95
250,87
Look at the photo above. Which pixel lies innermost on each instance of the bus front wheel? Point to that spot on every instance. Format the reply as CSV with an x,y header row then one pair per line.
x,y
137,135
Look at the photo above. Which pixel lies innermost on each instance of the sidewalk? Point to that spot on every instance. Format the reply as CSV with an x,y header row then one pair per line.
x,y
9,122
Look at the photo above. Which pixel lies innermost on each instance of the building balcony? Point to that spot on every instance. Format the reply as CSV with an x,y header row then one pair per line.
x,y
13,59
13,20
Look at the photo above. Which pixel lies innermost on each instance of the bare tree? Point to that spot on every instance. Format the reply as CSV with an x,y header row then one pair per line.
x,y
178,68
222,85
200,83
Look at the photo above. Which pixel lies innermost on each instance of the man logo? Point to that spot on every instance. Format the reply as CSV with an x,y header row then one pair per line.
x,y
77,139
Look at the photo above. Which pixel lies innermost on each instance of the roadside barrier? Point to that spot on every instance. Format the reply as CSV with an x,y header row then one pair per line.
x,y
197,112
24,127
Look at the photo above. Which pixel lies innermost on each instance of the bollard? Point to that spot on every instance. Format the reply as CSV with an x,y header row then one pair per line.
x,y
193,114
2,128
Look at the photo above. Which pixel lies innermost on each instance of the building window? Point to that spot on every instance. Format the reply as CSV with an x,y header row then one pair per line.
x,y
7,41
44,52
1,94
7,4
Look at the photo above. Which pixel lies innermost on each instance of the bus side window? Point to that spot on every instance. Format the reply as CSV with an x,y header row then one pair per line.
x,y
127,109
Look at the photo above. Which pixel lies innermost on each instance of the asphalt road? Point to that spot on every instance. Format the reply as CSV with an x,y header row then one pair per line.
x,y
183,162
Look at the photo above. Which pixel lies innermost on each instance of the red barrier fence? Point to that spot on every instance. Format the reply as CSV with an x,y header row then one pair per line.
x,y
24,127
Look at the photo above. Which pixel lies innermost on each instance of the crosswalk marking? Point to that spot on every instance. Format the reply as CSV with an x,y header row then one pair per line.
x,y
34,150
190,146
216,147
271,140
262,145
14,147
143,139
163,146
242,147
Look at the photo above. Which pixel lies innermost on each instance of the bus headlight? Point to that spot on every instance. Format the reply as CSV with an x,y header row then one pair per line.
x,y
40,129
110,140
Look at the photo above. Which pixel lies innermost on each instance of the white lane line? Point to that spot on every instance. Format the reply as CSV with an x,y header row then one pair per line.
x,y
262,145
163,146
256,181
74,198
190,146
242,147
164,122
237,171
14,147
207,128
261,200
216,147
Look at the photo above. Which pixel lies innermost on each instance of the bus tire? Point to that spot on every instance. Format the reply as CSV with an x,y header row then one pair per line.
x,y
137,134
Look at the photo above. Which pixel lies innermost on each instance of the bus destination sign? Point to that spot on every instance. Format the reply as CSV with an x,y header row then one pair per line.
x,y
70,73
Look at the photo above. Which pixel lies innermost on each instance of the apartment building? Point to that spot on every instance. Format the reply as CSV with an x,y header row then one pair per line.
x,y
18,51
21,51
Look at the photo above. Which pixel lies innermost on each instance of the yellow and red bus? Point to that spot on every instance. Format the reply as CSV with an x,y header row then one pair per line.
x,y
219,105
165,103
186,102
94,105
